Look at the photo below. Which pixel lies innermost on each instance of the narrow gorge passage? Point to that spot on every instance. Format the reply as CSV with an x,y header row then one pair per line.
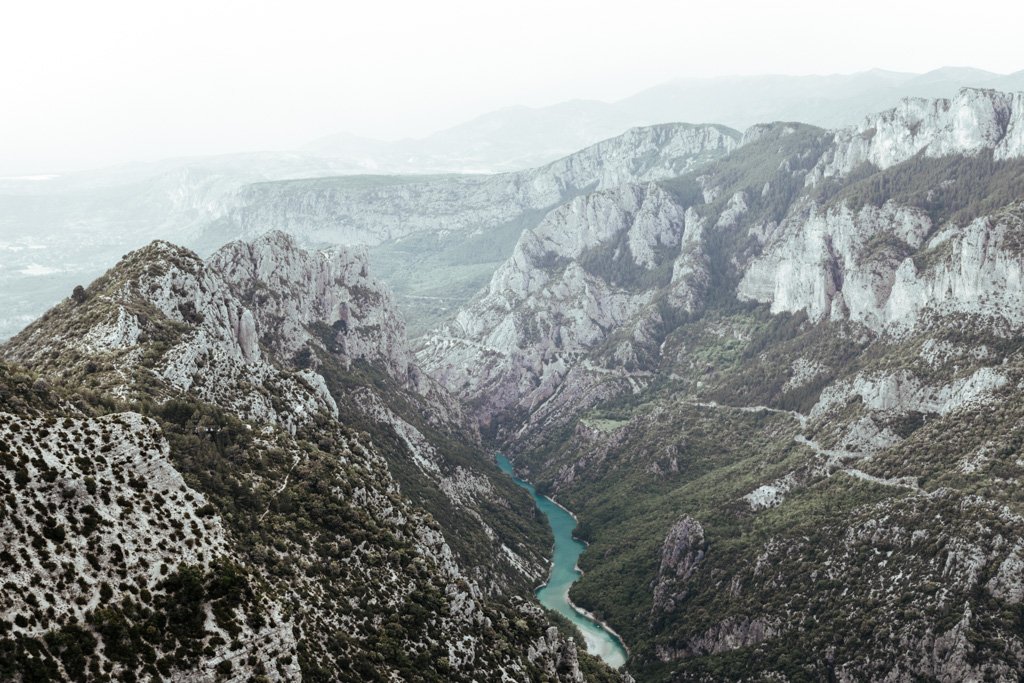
x,y
554,594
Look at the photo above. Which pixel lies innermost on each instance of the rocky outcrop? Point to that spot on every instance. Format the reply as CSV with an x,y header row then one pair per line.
x,y
730,634
977,270
681,554
973,121
902,391
559,655
1007,584
883,267
835,263
291,291
564,291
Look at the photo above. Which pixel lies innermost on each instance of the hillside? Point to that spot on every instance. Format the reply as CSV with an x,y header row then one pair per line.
x,y
777,378
230,470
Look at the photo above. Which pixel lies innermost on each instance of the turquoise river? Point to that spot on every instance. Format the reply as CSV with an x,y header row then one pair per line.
x,y
555,593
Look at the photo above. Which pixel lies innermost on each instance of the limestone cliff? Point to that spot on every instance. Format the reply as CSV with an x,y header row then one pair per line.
x,y
571,285
885,267
973,121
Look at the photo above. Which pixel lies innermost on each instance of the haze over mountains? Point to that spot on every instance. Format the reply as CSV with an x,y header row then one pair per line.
x,y
58,231
519,137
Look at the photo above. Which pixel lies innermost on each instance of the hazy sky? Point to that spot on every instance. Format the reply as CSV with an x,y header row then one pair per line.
x,y
98,82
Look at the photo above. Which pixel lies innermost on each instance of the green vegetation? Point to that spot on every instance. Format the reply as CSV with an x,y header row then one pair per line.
x,y
153,637
614,262
332,520
954,188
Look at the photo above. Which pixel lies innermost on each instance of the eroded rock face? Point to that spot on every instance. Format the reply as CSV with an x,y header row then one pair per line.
x,y
681,554
973,121
290,289
559,656
875,267
517,342
835,263
903,392
1007,584
731,634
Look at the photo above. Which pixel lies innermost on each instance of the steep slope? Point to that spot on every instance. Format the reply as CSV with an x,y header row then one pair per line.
x,y
782,404
973,121
588,295
196,428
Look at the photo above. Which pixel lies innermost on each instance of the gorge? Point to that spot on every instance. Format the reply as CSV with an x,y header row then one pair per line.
x,y
775,374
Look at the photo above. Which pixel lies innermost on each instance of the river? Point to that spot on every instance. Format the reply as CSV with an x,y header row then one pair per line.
x,y
555,593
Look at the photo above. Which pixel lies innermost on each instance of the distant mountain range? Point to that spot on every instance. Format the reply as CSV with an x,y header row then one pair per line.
x,y
519,137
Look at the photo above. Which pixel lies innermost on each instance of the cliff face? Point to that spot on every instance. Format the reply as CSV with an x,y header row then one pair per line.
x,y
876,266
291,290
973,121
237,456
561,294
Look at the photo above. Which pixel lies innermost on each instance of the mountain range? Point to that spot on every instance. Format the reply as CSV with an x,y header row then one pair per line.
x,y
776,375
518,137
108,212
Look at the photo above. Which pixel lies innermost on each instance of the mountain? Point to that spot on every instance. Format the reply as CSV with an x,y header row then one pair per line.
x,y
776,378
781,392
437,239
206,203
60,231
231,469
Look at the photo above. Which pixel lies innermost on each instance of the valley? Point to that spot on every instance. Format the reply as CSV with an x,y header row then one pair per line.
x,y
775,375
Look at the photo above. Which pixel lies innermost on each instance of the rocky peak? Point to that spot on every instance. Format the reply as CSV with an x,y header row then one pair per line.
x,y
214,326
571,283
638,155
293,294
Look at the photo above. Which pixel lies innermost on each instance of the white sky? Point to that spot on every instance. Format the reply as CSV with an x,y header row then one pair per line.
x,y
96,82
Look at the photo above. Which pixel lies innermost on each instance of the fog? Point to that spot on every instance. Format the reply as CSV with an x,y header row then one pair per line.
x,y
99,83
